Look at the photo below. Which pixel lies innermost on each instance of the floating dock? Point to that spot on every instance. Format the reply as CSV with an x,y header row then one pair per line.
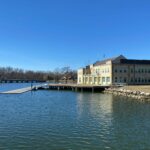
x,y
17,91
26,89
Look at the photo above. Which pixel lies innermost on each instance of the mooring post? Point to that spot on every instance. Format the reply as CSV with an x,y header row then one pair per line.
x,y
92,89
76,89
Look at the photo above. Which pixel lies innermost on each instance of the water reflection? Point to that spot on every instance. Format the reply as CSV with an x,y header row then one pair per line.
x,y
97,109
97,105
131,123
69,120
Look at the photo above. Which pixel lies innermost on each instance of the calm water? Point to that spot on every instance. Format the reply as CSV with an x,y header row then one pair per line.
x,y
55,120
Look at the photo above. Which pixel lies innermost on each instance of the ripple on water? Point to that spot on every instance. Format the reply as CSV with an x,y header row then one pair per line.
x,y
67,120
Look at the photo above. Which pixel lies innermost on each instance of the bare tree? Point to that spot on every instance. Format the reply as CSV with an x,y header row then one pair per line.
x,y
9,73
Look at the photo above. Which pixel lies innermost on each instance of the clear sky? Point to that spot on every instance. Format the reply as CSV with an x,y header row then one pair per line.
x,y
46,34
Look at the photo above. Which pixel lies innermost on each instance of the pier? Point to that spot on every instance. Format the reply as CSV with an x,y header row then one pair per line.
x,y
71,87
78,87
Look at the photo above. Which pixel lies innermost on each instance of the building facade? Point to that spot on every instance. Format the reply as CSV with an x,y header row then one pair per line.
x,y
118,70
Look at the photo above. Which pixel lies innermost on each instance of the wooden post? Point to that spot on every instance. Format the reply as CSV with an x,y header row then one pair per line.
x,y
92,89
76,89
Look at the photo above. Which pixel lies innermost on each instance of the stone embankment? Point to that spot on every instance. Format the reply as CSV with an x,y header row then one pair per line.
x,y
136,93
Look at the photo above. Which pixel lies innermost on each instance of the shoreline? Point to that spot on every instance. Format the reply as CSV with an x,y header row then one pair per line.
x,y
141,93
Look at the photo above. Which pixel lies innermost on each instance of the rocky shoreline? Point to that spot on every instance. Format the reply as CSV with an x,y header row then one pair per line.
x,y
140,95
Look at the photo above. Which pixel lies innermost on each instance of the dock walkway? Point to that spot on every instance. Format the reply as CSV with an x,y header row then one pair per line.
x,y
73,87
23,90
17,91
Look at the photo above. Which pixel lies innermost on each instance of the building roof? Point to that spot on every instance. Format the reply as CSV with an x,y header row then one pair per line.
x,y
109,59
134,61
120,60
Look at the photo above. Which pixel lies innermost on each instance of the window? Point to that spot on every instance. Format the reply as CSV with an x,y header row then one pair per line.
x,y
103,79
86,79
99,79
116,79
79,80
120,79
125,80
95,79
108,79
139,71
116,70
139,80
90,79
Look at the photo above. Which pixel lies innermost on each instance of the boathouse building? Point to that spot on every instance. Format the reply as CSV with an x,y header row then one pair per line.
x,y
117,70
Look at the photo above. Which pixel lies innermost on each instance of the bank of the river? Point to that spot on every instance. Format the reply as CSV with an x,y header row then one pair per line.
x,y
138,92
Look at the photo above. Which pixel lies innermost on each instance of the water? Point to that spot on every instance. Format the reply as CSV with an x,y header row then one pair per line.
x,y
65,120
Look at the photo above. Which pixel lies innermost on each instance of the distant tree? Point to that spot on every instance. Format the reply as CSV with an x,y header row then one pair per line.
x,y
9,73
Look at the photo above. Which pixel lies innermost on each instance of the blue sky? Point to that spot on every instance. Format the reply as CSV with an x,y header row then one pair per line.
x,y
46,34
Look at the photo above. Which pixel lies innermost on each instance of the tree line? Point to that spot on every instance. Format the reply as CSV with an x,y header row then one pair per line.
x,y
65,73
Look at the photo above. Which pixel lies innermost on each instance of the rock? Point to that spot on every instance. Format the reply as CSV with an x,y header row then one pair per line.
x,y
142,93
147,94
